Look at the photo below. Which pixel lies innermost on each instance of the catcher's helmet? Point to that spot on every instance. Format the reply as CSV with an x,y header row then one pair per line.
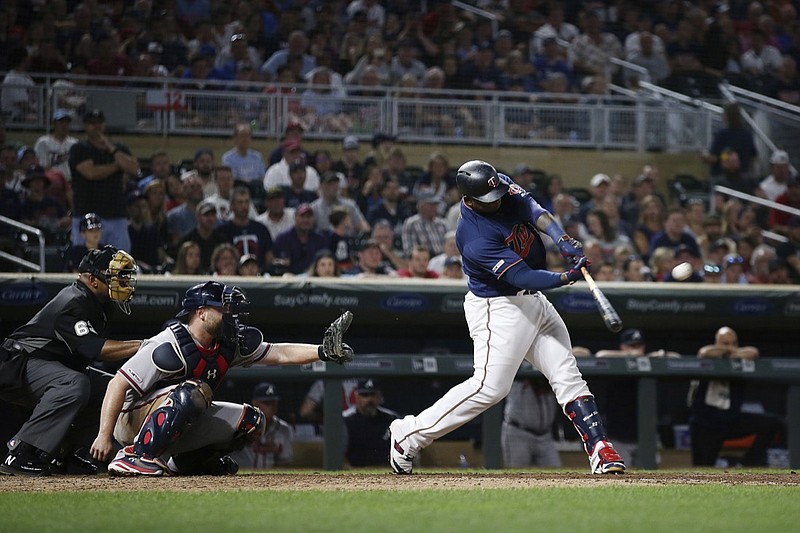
x,y
115,268
479,180
208,294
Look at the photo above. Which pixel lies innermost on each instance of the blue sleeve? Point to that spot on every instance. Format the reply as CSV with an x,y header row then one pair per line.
x,y
520,275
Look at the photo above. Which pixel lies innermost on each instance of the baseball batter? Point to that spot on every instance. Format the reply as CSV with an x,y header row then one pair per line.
x,y
159,404
499,237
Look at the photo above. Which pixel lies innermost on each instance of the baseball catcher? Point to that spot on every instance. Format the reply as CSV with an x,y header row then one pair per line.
x,y
43,366
160,406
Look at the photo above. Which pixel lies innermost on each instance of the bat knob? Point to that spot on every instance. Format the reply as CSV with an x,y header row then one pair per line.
x,y
615,327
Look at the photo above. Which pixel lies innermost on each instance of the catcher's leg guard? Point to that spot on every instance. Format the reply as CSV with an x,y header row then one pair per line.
x,y
251,426
165,425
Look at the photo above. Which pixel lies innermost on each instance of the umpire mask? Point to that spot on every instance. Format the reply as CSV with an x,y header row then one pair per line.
x,y
117,269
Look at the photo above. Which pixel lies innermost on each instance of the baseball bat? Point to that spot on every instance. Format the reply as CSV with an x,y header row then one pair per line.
x,y
610,317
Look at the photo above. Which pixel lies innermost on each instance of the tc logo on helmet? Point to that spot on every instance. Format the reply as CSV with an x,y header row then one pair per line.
x,y
494,181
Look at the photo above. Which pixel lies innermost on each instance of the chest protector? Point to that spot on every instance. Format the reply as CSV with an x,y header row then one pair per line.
x,y
208,366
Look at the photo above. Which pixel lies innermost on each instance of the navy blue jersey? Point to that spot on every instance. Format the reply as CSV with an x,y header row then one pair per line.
x,y
491,245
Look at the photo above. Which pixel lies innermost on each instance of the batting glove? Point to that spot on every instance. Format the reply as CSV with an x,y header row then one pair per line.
x,y
574,274
569,247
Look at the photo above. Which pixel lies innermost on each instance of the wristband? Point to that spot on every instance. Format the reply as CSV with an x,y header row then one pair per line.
x,y
321,354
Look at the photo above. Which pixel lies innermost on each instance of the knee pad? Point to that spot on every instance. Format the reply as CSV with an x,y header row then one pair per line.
x,y
251,426
586,419
165,424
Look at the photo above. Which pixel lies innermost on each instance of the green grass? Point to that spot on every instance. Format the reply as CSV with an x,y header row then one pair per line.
x,y
615,508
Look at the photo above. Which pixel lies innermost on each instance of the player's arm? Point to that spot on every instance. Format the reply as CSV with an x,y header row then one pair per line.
x,y
119,350
745,352
112,406
332,348
291,354
715,351
545,223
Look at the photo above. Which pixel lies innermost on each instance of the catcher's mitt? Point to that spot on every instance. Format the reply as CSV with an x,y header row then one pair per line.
x,y
332,347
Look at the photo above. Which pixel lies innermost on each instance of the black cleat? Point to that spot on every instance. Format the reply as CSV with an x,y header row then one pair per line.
x,y
26,460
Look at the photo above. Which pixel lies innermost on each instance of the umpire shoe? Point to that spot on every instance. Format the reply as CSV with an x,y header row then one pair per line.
x,y
604,459
130,465
27,460
400,458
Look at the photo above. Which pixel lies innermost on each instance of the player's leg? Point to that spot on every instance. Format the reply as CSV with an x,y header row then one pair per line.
x,y
501,335
57,394
551,354
765,427
706,444
162,427
517,446
545,453
205,446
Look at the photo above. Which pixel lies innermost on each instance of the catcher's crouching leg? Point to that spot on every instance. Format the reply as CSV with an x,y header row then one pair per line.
x,y
165,425
212,460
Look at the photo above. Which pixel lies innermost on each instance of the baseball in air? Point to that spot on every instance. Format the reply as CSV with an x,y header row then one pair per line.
x,y
682,271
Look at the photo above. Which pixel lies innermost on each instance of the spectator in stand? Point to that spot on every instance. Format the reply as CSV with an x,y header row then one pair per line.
x,y
145,239
382,144
437,262
437,180
779,220
674,233
187,260
554,28
246,163
52,149
389,207
591,51
201,74
321,106
297,46
249,237
367,425
350,166
716,413
650,58
17,98
552,60
329,198
277,217
426,228
478,73
733,270
396,167
294,131
453,269
223,177
418,265
762,59
324,266
599,187
274,447
339,242
237,52
296,193
662,261
733,137
277,175
205,234
606,236
161,169
294,249
635,269
776,183
405,62
182,219
788,252
100,172
153,191
14,173
248,266
385,236
91,228
225,260
107,61
204,164
370,262
40,210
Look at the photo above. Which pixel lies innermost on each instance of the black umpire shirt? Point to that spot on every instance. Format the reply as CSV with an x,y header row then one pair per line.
x,y
68,329
368,438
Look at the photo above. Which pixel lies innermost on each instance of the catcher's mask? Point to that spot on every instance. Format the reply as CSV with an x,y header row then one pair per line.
x,y
230,299
117,269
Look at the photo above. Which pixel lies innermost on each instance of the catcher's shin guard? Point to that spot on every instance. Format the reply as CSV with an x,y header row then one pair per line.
x,y
251,426
165,425
586,419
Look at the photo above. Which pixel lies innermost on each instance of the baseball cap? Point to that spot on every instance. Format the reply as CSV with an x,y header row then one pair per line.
x,y
329,177
203,151
779,157
265,392
25,150
246,258
135,195
35,172
273,192
367,386
62,114
452,260
90,221
97,260
304,209
599,179
350,143
291,144
641,178
206,206
631,336
189,174
149,183
95,115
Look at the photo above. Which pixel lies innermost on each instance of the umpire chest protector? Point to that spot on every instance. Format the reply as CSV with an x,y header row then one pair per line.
x,y
193,361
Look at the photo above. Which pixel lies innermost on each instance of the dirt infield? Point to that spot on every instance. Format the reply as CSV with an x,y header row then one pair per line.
x,y
361,481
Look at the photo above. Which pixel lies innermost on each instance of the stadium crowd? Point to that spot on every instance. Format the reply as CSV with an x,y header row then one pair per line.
x,y
363,211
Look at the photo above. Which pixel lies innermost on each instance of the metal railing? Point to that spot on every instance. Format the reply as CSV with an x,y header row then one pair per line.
x,y
170,106
27,229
